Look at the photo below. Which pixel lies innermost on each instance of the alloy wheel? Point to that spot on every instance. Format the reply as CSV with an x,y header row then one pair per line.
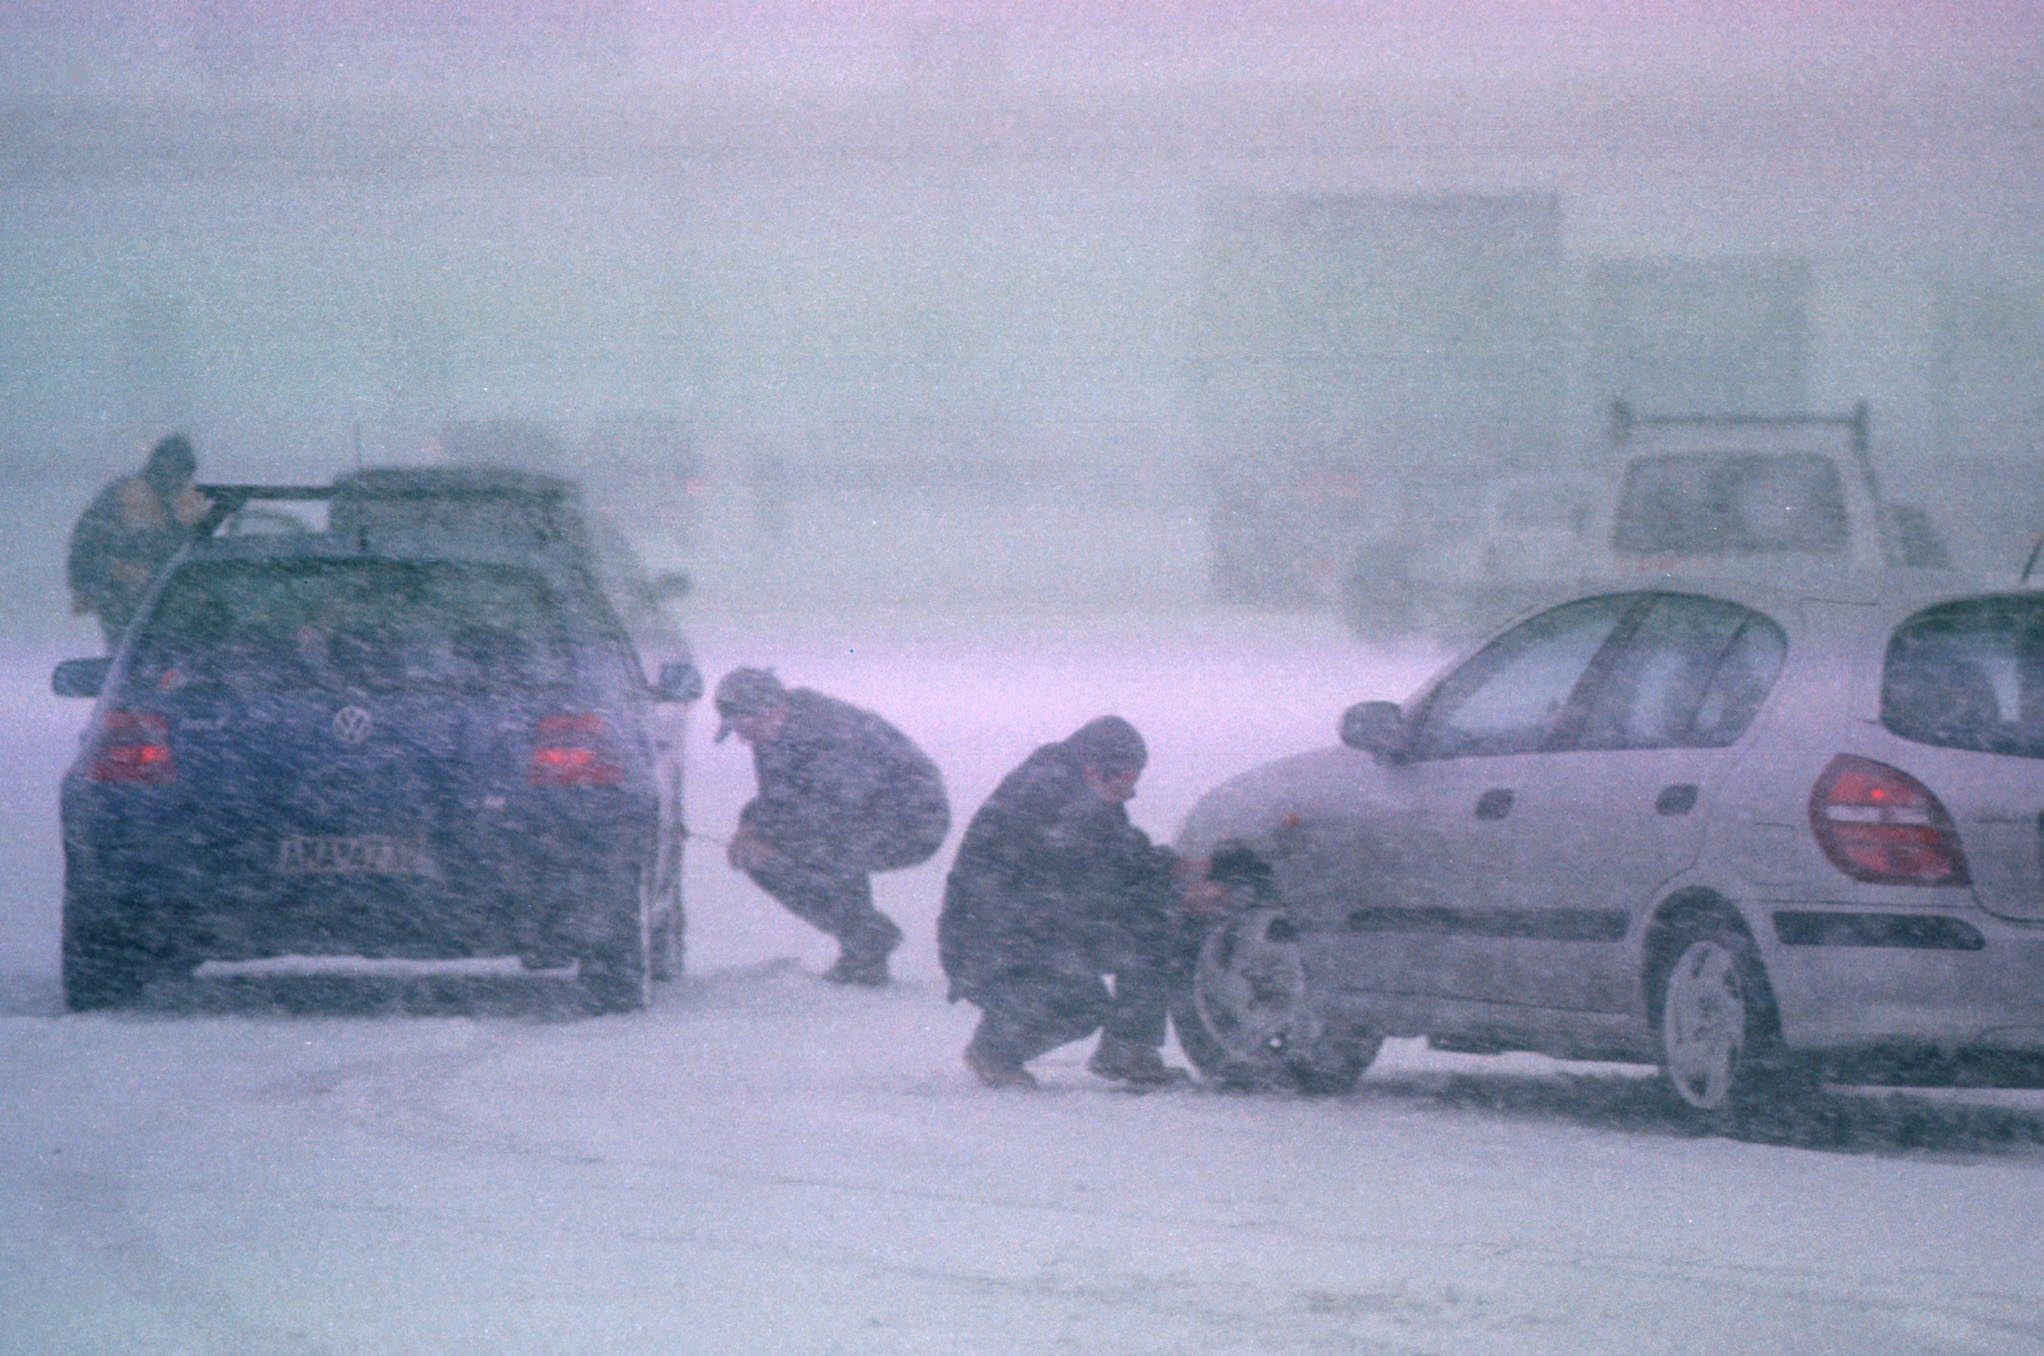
x,y
1704,1016
1249,988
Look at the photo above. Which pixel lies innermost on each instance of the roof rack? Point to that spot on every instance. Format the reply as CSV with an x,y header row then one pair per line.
x,y
458,482
1624,420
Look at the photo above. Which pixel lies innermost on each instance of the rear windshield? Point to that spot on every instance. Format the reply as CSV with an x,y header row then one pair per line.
x,y
522,520
1735,503
374,624
1969,675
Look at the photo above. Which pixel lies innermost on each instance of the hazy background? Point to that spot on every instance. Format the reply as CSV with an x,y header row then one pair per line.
x,y
995,287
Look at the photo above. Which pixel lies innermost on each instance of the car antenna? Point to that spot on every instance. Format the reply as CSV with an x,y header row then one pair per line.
x,y
2036,549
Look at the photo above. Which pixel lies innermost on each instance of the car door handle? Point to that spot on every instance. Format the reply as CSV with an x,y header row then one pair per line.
x,y
1678,799
1495,803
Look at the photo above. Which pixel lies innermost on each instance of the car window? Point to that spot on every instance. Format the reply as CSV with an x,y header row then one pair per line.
x,y
1691,674
1969,675
1744,678
1512,695
524,520
374,624
1732,504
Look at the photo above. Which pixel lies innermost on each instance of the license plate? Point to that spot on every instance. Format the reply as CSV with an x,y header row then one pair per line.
x,y
353,854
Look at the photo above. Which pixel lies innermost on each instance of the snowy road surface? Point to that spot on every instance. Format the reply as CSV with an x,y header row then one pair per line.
x,y
391,1161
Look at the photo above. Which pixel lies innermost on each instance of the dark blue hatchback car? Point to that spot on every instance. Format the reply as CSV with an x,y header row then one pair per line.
x,y
375,744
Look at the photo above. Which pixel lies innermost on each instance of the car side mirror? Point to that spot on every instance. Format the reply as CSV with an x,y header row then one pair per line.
x,y
1375,727
80,677
673,585
680,681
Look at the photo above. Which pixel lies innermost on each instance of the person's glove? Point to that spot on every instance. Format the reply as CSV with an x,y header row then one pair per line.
x,y
1198,894
192,505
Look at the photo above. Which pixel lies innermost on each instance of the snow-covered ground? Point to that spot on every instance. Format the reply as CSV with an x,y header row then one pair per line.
x,y
390,1162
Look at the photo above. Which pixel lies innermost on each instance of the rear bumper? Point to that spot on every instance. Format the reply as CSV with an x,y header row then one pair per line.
x,y
211,888
1884,979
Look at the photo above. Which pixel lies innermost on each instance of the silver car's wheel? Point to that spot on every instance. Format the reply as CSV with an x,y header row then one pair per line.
x,y
1707,1016
1249,987
1245,1015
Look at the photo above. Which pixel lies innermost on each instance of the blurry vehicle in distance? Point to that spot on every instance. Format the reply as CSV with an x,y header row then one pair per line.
x,y
517,444
414,734
1740,831
1279,533
1457,571
659,457
1748,494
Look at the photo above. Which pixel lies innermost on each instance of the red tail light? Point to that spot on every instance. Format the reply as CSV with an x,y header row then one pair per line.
x,y
1879,824
574,749
133,748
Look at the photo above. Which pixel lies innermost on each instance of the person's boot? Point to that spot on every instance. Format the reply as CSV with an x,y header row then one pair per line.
x,y
1139,1066
864,961
868,971
996,1072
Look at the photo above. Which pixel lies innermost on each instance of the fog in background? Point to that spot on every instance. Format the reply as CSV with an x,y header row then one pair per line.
x,y
951,303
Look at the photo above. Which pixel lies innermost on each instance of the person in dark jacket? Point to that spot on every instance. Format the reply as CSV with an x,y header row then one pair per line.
x,y
1053,888
842,794
130,531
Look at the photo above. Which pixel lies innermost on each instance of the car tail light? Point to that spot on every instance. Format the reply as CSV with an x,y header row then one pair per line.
x,y
574,749
133,748
1877,823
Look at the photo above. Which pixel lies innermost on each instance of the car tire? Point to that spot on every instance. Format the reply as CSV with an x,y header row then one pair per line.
x,y
669,937
1244,1018
106,965
617,975
1715,1029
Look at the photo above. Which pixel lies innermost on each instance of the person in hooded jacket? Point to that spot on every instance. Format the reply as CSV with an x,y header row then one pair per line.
x,y
842,794
129,532
1052,888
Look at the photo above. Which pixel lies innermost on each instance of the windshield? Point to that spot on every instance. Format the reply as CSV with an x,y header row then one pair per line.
x,y
1732,503
374,624
1969,675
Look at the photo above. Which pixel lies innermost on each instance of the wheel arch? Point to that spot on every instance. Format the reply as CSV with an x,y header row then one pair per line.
x,y
1238,864
1680,916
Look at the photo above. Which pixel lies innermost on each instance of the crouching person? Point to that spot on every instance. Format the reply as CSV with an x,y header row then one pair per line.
x,y
842,794
1052,889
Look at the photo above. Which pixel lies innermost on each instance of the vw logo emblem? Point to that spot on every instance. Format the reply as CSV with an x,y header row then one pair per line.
x,y
351,724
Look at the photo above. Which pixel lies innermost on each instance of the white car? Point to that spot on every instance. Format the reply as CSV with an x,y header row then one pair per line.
x,y
1751,496
1527,545
1741,831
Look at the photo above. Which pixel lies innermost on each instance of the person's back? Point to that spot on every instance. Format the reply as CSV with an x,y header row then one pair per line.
x,y
1052,888
845,780
1001,891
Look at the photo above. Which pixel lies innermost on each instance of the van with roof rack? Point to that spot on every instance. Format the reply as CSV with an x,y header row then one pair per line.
x,y
1751,495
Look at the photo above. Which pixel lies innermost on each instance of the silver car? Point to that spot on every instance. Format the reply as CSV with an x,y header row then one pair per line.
x,y
1746,833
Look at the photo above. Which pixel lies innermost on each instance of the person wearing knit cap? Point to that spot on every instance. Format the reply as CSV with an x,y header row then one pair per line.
x,y
1052,889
